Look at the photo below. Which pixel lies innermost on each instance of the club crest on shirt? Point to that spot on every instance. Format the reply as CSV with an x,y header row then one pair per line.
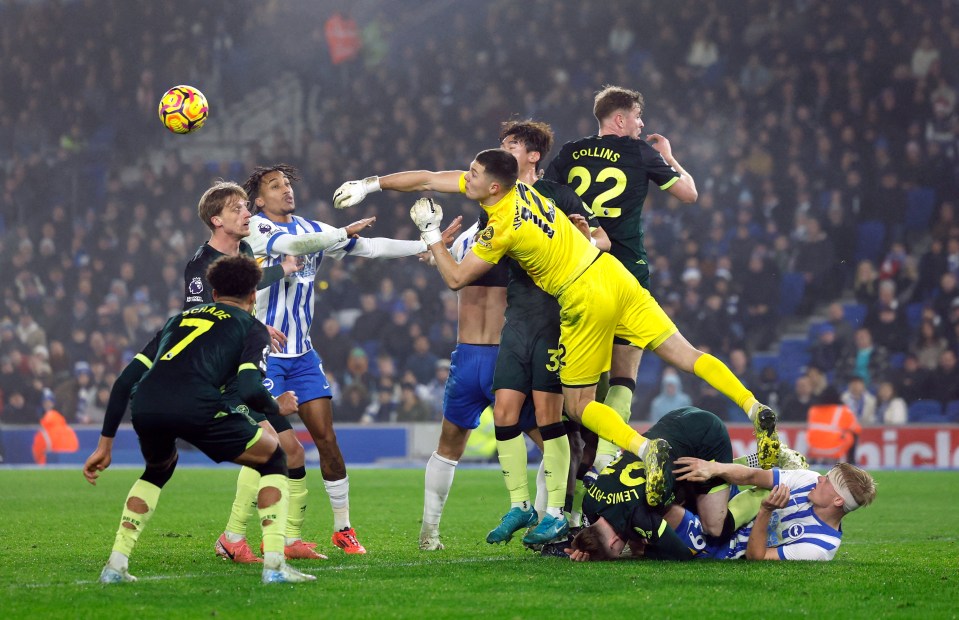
x,y
196,286
485,237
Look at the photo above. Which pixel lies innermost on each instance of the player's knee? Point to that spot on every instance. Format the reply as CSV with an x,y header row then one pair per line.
x,y
292,447
505,433
158,474
275,465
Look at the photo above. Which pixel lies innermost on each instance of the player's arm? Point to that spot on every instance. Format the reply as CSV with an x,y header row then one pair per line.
x,y
116,406
597,236
382,247
684,187
427,216
353,192
250,373
310,243
756,548
275,273
697,470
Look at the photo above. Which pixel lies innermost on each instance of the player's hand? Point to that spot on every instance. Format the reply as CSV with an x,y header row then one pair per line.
x,y
777,498
576,555
580,223
693,470
427,215
661,144
277,338
355,228
449,234
292,264
99,460
353,192
287,402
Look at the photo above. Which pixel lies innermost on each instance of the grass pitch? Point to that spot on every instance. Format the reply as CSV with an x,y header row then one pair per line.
x,y
899,558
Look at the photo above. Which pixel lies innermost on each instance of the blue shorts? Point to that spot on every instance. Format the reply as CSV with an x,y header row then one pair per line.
x,y
302,375
469,388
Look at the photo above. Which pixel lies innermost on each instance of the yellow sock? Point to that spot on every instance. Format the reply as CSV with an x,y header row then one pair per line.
x,y
556,462
132,522
576,510
716,374
605,422
273,517
745,506
513,462
244,503
297,509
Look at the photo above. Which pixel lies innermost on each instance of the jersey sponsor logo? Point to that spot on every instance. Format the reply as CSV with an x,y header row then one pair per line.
x,y
196,286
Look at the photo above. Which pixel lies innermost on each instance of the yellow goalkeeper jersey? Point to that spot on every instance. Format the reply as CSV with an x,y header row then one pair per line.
x,y
529,228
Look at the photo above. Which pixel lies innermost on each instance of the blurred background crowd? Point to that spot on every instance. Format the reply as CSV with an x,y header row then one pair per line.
x,y
820,261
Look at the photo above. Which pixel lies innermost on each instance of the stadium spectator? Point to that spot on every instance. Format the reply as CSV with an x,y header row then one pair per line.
x,y
890,408
860,401
928,345
912,381
943,382
795,405
865,359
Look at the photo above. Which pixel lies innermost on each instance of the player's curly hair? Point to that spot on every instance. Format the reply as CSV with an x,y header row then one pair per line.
x,y
613,98
252,183
234,276
536,136
215,199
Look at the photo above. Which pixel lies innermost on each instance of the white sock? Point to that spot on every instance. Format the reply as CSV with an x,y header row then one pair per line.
x,y
118,561
273,561
541,494
439,480
339,492
233,537
602,460
555,511
524,506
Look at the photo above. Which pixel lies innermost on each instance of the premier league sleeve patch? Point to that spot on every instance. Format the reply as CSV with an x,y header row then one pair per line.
x,y
196,286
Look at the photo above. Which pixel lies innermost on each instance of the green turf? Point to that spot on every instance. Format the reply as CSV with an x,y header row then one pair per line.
x,y
899,558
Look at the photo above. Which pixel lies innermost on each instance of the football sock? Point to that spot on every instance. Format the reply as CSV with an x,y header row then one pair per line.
x,y
605,422
244,503
718,375
439,480
273,517
541,491
751,407
620,398
749,460
132,521
745,506
555,463
576,509
511,451
339,492
297,507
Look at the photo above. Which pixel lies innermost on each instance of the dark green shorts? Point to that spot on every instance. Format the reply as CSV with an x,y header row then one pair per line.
x,y
279,422
527,358
221,435
694,432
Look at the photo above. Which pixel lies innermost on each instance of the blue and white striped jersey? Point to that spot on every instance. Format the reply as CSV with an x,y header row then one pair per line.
x,y
795,530
287,305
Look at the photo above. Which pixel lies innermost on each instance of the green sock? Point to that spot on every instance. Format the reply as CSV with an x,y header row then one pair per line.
x,y
244,503
745,506
297,509
132,521
718,375
513,462
620,398
273,517
556,461
576,511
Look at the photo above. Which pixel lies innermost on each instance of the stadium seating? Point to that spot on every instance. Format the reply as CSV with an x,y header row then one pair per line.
x,y
925,412
855,314
791,289
914,315
896,360
762,360
951,412
921,202
649,373
870,240
793,357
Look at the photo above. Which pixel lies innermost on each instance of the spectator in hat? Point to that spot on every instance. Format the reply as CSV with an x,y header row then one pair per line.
x,y
671,396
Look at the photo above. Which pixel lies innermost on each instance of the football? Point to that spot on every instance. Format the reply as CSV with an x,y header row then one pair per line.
x,y
183,109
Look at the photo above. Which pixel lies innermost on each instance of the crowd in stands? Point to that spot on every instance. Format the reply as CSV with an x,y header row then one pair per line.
x,y
823,138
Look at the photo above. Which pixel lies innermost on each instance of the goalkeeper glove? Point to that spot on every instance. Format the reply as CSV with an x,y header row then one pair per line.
x,y
427,216
353,192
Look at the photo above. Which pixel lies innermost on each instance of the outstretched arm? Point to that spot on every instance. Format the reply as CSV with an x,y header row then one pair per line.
x,y
685,188
697,470
427,215
353,192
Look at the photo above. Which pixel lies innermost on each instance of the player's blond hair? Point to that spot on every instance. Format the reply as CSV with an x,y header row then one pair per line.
x,y
215,199
860,484
613,98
